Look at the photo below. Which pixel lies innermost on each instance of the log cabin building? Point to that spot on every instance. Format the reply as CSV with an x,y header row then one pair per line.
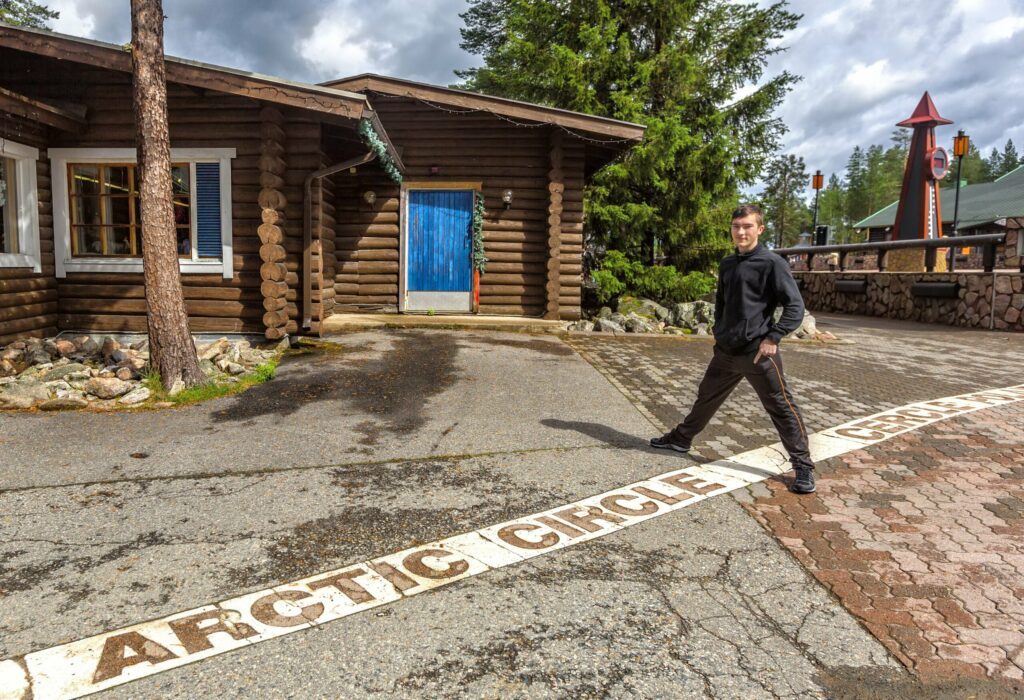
x,y
292,201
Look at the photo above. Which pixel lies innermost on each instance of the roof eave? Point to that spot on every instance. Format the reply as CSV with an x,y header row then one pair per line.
x,y
604,126
317,98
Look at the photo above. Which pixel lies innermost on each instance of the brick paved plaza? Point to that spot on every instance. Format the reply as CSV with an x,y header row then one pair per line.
x,y
920,537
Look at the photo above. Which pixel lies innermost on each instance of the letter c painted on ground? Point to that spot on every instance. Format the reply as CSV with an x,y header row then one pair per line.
x,y
509,534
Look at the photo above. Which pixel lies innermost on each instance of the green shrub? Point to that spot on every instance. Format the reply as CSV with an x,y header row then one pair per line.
x,y
626,271
694,285
607,285
665,285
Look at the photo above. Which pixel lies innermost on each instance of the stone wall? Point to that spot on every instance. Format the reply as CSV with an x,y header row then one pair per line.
x,y
888,294
1009,255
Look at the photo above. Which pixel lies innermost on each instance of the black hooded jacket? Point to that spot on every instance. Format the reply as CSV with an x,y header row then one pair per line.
x,y
750,286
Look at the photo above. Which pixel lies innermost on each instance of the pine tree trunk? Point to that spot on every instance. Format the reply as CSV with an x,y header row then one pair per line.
x,y
172,352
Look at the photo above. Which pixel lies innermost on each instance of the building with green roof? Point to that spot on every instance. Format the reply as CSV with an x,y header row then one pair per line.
x,y
986,206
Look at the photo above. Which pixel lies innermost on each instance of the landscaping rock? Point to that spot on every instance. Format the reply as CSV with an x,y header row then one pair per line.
x,y
135,396
109,346
701,329
605,312
24,393
689,314
34,371
86,345
642,307
107,387
63,404
64,371
177,387
605,325
38,356
638,324
809,327
65,347
582,325
217,347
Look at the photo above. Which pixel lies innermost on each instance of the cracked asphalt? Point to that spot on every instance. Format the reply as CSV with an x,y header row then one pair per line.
x,y
388,440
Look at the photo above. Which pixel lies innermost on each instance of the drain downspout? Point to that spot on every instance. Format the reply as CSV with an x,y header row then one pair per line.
x,y
307,230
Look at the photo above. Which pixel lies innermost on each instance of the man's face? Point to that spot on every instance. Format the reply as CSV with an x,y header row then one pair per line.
x,y
745,232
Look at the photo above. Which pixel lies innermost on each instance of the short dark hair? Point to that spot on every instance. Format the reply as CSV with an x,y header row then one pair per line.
x,y
749,210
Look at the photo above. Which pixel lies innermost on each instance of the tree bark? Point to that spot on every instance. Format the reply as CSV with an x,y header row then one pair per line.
x,y
172,352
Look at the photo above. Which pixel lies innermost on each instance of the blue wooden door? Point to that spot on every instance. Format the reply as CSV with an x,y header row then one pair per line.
x,y
440,241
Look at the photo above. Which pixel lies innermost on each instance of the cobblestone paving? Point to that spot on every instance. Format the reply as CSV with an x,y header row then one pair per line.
x,y
922,539
881,365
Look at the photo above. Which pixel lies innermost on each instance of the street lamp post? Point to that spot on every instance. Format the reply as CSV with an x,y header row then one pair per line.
x,y
817,182
961,144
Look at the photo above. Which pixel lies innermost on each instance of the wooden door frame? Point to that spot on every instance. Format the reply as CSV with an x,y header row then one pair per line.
x,y
403,215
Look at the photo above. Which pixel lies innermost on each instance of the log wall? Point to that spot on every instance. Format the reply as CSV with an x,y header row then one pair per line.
x,y
366,241
116,302
28,300
473,147
274,228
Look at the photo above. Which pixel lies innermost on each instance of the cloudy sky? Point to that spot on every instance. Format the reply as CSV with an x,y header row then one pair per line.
x,y
865,63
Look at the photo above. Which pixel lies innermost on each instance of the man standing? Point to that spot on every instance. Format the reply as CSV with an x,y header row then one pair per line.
x,y
751,283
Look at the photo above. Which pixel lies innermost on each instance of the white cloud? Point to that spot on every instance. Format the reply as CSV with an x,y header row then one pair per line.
x,y
71,21
341,49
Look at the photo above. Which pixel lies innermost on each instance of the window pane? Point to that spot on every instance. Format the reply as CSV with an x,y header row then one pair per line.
x,y
86,210
8,208
180,178
116,179
184,243
85,179
87,240
118,211
182,212
119,240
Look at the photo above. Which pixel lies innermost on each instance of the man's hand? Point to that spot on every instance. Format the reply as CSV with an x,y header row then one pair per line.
x,y
766,349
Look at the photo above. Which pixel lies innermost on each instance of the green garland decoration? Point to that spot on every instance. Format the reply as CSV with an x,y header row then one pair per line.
x,y
374,142
479,259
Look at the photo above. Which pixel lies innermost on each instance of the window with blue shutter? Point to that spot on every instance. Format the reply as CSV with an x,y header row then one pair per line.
x,y
208,233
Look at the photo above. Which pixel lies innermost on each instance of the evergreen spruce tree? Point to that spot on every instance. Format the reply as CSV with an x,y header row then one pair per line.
x,y
1009,160
26,13
832,210
973,169
856,190
995,163
784,201
676,66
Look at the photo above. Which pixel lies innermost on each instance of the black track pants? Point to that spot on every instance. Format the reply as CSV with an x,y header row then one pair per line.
x,y
768,380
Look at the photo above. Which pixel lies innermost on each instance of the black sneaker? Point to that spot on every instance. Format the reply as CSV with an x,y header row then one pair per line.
x,y
803,482
664,442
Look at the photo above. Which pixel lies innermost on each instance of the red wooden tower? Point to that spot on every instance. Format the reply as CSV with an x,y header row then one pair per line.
x,y
919,214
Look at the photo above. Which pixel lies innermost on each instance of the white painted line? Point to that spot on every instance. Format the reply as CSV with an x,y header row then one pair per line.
x,y
113,658
13,681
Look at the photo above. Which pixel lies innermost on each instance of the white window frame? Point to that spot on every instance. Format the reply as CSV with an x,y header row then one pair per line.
x,y
65,263
26,206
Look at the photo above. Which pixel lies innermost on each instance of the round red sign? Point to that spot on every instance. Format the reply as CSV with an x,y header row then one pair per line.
x,y
938,162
